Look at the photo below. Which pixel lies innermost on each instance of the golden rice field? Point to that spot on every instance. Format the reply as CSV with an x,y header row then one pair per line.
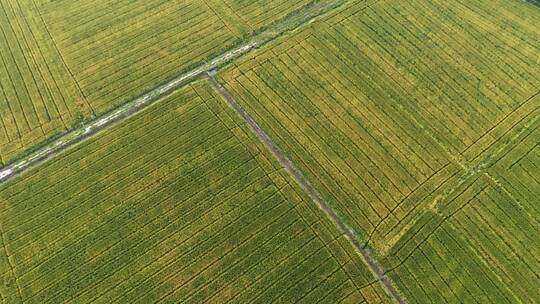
x,y
193,211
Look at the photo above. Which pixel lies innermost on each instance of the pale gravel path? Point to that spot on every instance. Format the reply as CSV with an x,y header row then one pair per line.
x,y
289,166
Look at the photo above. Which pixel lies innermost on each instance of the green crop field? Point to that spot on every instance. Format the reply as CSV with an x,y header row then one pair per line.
x,y
402,120
38,96
288,151
250,16
65,61
118,57
184,205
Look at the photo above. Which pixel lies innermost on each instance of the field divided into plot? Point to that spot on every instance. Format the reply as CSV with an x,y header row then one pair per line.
x,y
38,97
417,121
487,225
517,167
65,61
178,202
489,236
405,122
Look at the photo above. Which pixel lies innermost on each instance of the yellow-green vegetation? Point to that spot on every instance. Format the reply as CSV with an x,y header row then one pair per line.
x,y
177,203
418,121
38,96
488,225
62,62
119,49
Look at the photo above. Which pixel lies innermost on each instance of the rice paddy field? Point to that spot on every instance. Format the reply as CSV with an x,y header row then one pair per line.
x,y
38,95
378,152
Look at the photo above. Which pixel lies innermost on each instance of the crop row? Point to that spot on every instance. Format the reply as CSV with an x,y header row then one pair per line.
x,y
104,53
74,191
101,15
494,215
316,109
17,67
504,235
309,212
151,66
499,139
383,109
117,62
517,168
126,128
258,13
52,232
158,170
149,36
489,239
445,269
119,50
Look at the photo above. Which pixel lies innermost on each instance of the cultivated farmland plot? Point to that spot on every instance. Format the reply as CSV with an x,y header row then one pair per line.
x,y
38,96
184,206
359,151
65,61
405,121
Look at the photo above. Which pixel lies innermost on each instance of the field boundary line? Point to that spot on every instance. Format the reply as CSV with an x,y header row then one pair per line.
x,y
10,263
490,159
302,181
293,21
